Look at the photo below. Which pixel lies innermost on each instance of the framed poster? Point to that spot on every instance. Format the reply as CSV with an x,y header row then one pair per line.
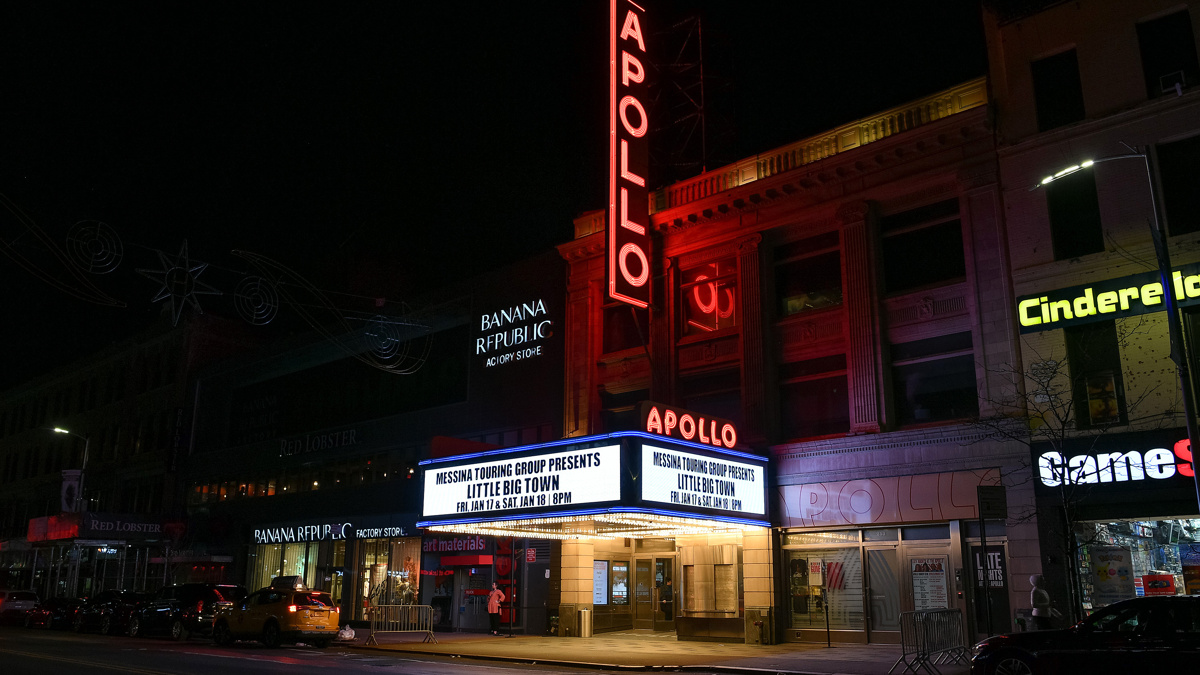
x,y
930,587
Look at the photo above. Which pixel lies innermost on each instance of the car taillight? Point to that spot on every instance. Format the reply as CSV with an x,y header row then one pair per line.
x,y
338,610
200,607
292,608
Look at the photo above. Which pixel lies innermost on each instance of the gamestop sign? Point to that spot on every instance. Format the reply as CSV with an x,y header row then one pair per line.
x,y
628,255
1114,474
1056,468
583,476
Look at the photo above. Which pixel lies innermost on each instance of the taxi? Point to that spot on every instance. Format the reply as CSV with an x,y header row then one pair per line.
x,y
284,612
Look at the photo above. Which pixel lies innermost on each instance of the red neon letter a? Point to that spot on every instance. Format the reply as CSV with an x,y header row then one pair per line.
x,y
632,28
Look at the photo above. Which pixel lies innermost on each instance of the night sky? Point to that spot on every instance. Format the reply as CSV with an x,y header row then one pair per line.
x,y
379,148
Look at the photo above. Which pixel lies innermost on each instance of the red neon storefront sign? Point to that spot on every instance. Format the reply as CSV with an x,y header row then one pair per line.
x,y
690,426
628,198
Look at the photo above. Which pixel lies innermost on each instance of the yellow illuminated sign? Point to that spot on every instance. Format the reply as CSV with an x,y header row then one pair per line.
x,y
1110,299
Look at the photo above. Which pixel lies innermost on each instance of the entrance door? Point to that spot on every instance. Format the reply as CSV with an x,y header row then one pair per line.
x,y
655,598
883,595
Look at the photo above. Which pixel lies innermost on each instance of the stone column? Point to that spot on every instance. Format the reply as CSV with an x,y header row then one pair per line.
x,y
576,575
758,557
862,316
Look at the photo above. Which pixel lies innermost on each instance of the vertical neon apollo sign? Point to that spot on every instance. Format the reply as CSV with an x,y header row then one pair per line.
x,y
628,198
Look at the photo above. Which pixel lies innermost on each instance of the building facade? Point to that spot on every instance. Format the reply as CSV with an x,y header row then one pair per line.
x,y
1098,130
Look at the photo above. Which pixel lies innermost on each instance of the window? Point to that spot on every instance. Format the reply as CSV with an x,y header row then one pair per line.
x,y
1057,92
1168,53
717,393
625,327
922,247
934,379
808,274
709,297
1074,211
814,400
1097,386
1179,173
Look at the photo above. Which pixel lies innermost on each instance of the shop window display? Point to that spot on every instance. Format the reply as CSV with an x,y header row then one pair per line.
x,y
389,571
1134,558
831,576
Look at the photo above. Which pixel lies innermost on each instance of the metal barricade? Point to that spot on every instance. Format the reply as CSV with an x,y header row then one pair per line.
x,y
929,638
401,619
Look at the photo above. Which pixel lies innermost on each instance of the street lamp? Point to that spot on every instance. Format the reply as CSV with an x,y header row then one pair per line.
x,y
80,503
1174,329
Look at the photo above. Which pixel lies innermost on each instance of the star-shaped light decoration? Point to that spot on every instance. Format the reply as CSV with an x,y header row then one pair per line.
x,y
179,282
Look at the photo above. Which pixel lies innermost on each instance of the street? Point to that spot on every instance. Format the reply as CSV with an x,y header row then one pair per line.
x,y
35,651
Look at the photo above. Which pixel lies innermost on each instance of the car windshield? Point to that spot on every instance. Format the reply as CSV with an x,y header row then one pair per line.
x,y
313,599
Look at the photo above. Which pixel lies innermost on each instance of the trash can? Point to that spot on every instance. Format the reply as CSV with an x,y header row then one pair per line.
x,y
585,623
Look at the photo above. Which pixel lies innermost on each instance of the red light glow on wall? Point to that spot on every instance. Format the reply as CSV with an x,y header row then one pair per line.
x,y
628,198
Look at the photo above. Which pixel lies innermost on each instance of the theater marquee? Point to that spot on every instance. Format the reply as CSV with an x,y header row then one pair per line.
x,y
626,484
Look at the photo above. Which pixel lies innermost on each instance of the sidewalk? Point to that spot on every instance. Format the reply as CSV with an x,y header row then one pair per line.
x,y
646,650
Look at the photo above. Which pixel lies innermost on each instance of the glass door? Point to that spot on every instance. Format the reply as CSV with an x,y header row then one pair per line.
x,y
655,598
643,593
883,595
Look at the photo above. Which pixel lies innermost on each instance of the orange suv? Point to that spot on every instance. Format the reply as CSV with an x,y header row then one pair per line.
x,y
286,611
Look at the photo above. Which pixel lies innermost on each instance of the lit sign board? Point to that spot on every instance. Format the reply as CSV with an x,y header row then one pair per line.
x,y
1109,299
573,477
513,334
687,425
628,196
1055,469
679,478
300,533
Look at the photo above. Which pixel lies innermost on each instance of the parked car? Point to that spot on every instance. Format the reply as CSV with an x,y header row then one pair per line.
x,y
183,610
108,612
15,604
1137,635
285,612
52,613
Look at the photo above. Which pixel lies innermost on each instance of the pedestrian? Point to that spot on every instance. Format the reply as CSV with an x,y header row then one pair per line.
x,y
666,598
1040,599
494,599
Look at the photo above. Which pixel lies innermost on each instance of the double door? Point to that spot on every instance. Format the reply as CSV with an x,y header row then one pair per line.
x,y
655,596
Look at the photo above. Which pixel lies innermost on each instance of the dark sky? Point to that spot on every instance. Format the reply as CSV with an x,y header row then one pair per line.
x,y
377,148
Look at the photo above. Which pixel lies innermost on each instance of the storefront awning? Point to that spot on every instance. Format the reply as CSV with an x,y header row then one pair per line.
x,y
622,485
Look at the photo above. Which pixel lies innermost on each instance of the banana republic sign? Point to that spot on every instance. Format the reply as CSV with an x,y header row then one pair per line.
x,y
1109,299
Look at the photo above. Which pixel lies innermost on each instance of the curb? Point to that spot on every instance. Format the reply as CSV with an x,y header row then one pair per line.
x,y
732,670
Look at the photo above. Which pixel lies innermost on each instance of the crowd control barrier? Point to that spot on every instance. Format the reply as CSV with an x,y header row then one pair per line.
x,y
929,638
401,619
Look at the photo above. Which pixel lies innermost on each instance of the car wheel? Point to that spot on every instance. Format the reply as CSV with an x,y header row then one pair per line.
x,y
135,626
106,625
177,630
1012,665
270,635
77,624
221,635
28,621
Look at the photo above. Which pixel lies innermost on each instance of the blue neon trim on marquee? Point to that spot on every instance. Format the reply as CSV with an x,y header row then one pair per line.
x,y
593,512
591,439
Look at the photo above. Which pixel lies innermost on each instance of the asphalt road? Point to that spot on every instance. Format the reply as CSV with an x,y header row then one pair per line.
x,y
36,651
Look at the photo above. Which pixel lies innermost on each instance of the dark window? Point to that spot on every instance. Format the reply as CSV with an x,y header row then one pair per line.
x,y
625,327
1074,211
813,398
1097,387
717,393
1179,173
934,379
620,411
922,247
1168,53
808,274
709,297
1057,92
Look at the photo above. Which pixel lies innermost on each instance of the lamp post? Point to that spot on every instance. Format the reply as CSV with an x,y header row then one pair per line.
x,y
80,502
1175,330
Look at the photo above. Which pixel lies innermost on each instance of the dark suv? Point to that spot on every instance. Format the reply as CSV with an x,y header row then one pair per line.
x,y
109,611
183,610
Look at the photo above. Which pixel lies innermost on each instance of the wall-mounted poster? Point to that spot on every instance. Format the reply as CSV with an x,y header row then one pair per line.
x,y
1112,574
600,582
620,583
929,582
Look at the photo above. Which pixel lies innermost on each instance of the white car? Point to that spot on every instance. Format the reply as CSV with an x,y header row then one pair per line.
x,y
14,605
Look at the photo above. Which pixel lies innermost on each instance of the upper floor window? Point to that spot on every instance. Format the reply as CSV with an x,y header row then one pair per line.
x,y
709,297
1057,91
1097,385
922,247
934,379
814,398
717,393
625,327
1168,54
1074,210
1179,173
808,274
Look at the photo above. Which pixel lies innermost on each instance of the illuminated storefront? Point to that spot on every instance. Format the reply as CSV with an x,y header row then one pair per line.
x,y
651,532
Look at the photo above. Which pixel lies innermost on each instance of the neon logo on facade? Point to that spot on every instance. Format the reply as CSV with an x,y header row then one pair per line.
x,y
628,199
1054,469
675,423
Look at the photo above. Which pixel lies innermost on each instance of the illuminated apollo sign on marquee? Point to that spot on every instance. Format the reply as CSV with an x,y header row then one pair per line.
x,y
628,197
687,425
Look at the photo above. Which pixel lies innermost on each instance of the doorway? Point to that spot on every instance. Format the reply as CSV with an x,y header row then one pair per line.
x,y
655,597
